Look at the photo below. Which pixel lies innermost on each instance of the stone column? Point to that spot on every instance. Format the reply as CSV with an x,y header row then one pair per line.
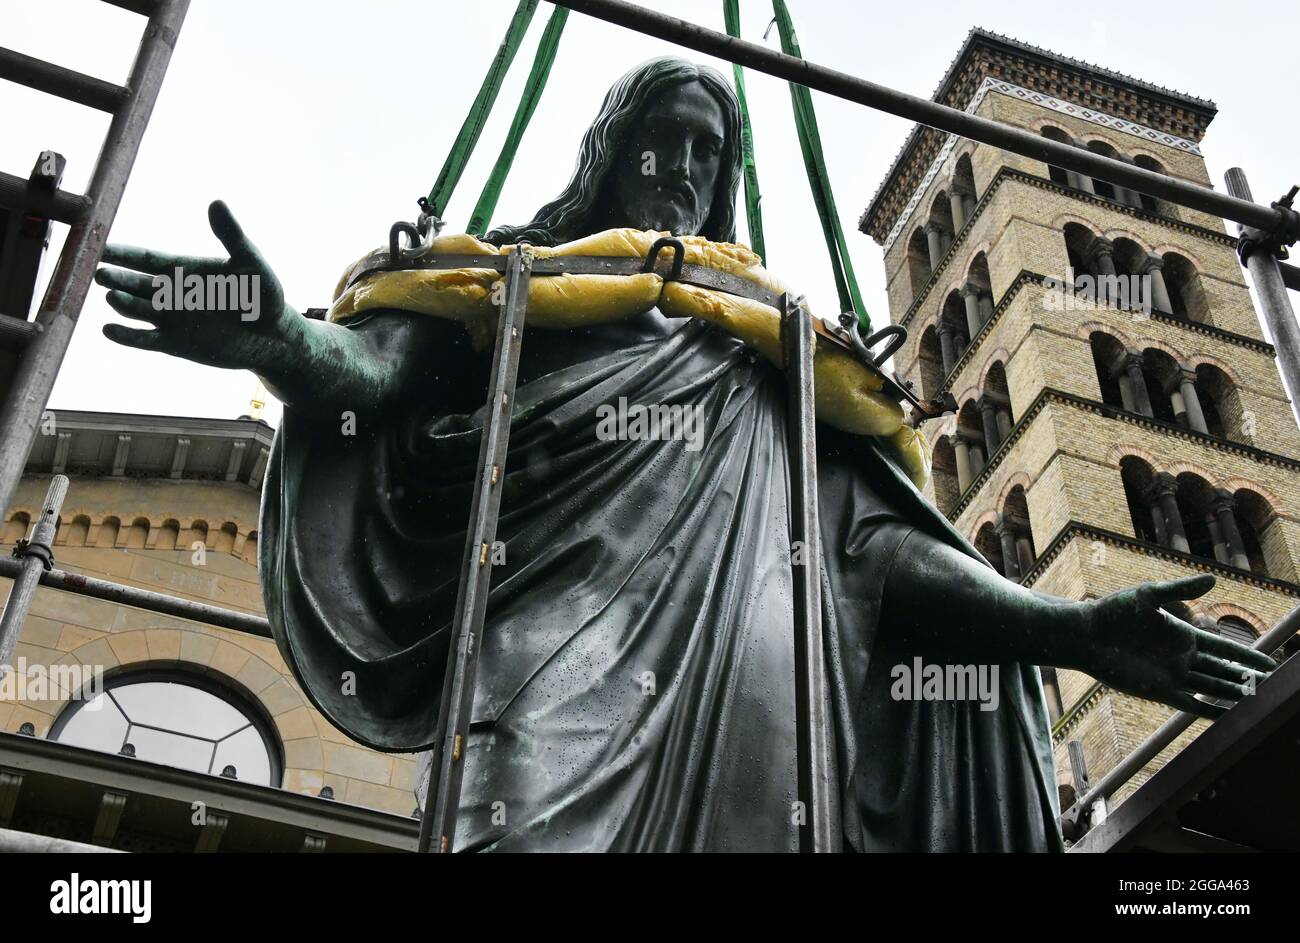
x,y
1231,532
1127,399
1216,538
1154,268
1158,522
1026,552
1004,421
964,474
970,295
947,348
1166,490
1079,181
986,307
1010,554
958,205
968,204
977,457
1191,401
934,243
989,415
1141,398
1101,257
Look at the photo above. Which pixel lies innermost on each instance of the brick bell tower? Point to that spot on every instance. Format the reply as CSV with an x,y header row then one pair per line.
x,y
1119,415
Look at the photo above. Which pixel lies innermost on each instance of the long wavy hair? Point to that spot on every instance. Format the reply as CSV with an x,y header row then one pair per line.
x,y
571,215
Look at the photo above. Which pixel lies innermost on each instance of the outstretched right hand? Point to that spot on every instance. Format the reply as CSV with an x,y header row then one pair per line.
x,y
238,322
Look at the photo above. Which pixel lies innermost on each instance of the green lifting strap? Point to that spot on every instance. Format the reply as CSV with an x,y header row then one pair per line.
x,y
815,163
753,199
454,166
532,94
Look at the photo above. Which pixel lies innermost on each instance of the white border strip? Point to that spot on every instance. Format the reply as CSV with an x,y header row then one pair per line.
x,y
991,84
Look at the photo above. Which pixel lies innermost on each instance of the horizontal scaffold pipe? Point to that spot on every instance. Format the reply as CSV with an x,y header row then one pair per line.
x,y
1285,223
144,599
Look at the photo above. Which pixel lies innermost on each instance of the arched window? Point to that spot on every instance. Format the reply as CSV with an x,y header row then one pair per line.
x,y
1186,294
1239,630
1220,404
1058,174
943,472
17,527
1253,516
1149,203
1160,372
1107,359
929,358
1078,243
918,260
963,184
178,719
1101,187
1139,479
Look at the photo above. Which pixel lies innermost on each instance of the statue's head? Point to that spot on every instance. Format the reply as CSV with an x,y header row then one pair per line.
x,y
664,153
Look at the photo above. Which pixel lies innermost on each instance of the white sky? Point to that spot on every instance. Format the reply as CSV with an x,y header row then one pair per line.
x,y
321,122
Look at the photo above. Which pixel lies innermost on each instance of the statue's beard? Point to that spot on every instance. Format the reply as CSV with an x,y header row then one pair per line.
x,y
665,209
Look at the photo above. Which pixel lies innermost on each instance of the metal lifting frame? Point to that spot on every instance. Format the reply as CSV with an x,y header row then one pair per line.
x,y
1267,230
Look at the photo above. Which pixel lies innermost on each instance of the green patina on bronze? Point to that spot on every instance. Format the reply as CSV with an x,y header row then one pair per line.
x,y
633,560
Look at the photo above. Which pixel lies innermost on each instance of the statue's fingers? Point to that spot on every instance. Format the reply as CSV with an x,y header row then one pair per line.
x,y
129,306
1223,668
132,337
133,283
1235,651
1214,687
1178,590
231,234
159,263
1185,702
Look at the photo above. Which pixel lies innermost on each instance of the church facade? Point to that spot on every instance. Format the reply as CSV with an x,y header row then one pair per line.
x,y
1119,414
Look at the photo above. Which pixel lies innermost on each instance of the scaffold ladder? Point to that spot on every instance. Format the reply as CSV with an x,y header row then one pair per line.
x,y
41,344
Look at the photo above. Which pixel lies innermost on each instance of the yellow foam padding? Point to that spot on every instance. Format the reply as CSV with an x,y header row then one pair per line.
x,y
847,393
909,448
554,301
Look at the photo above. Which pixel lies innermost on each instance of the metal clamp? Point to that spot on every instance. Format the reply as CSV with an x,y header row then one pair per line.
x,y
679,256
31,548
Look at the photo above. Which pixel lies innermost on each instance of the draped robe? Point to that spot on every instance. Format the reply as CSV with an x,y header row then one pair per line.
x,y
636,683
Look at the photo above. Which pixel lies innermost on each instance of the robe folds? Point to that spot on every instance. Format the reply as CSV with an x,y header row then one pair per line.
x,y
635,689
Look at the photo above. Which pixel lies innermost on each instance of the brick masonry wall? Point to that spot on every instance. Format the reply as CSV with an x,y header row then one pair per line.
x,y
66,629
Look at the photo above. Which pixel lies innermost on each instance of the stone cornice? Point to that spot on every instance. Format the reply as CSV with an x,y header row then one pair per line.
x,y
1075,528
1011,173
1050,394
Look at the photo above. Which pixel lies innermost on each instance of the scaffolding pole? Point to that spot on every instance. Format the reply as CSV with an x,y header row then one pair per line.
x,y
35,557
1260,253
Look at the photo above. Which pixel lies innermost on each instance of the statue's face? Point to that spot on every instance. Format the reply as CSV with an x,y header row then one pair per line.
x,y
668,171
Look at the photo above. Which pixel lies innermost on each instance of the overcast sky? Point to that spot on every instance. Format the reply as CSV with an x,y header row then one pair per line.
x,y
321,122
